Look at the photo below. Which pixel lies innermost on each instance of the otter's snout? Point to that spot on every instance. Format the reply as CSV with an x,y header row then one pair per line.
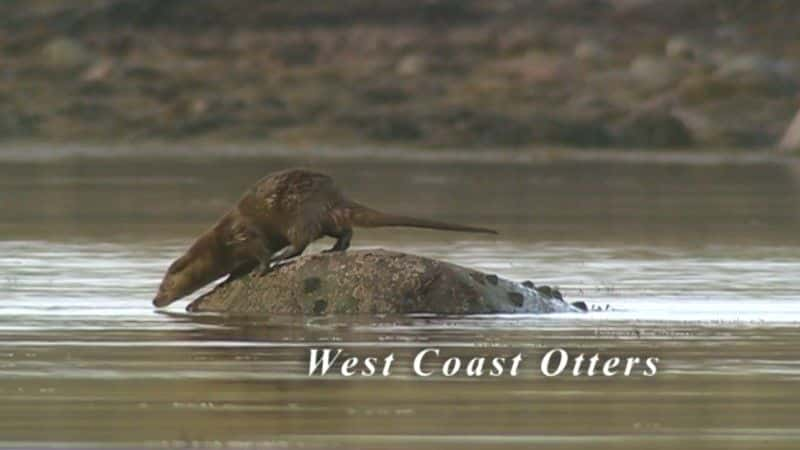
x,y
161,300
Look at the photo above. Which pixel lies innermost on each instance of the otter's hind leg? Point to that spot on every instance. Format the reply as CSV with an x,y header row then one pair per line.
x,y
342,241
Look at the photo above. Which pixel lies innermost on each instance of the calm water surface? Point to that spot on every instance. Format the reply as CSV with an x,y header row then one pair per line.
x,y
697,265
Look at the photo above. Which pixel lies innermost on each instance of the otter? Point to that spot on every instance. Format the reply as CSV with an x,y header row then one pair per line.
x,y
276,219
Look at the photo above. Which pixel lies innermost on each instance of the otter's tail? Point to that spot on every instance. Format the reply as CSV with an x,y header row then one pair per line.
x,y
366,217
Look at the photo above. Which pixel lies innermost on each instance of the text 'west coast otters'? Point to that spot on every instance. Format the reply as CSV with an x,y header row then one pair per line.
x,y
433,361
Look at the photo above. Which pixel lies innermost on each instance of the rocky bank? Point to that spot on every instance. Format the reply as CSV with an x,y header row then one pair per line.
x,y
422,73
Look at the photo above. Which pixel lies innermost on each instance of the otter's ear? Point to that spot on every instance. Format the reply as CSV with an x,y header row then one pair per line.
x,y
179,264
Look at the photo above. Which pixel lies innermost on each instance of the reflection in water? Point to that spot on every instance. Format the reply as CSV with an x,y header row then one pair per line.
x,y
697,264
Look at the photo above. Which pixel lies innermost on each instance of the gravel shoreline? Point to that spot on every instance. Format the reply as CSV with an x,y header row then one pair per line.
x,y
467,74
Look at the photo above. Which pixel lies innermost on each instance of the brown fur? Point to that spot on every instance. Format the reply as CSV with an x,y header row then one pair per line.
x,y
275,220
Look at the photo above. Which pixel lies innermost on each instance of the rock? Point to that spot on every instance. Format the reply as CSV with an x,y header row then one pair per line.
x,y
66,53
653,129
581,305
411,65
591,52
375,282
98,71
656,73
682,48
791,139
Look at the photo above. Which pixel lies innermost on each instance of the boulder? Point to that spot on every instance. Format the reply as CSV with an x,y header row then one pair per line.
x,y
656,73
592,52
682,48
66,53
412,65
376,282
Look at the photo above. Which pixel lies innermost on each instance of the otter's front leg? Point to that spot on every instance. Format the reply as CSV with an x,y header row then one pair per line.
x,y
240,270
287,253
264,259
250,249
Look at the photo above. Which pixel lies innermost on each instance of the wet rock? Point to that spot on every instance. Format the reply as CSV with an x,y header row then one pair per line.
x,y
66,53
516,298
545,290
654,129
581,305
374,282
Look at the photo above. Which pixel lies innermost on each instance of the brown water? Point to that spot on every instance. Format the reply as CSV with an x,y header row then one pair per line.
x,y
698,264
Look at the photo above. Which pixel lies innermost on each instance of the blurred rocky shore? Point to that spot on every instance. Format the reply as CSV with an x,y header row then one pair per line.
x,y
423,73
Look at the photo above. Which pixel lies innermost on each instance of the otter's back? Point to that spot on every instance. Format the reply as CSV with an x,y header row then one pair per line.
x,y
284,199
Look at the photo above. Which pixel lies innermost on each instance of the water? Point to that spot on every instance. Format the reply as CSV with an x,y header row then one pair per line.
x,y
693,264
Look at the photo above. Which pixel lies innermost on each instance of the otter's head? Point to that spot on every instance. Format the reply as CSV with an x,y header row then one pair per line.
x,y
179,281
